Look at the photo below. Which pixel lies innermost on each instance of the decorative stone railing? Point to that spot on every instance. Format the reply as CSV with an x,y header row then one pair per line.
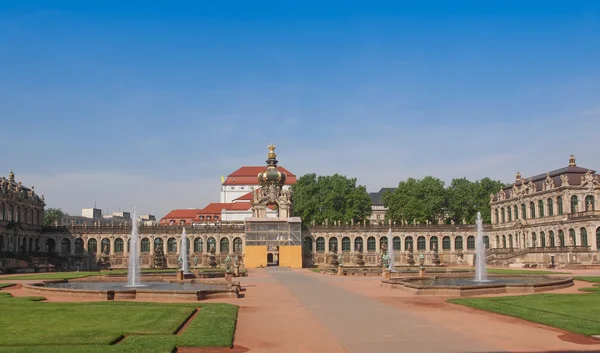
x,y
585,214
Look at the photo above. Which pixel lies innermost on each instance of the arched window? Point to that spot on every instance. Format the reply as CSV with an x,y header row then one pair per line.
x,y
509,213
510,241
408,243
11,213
224,246
65,246
333,244
502,215
589,203
561,238
541,208
532,209
211,244
92,245
523,211
1,211
516,212
383,240
346,244
119,245
396,243
158,244
358,244
552,240
307,245
497,216
598,238
105,246
172,245
572,237
18,214
559,205
188,244
237,245
470,242
78,246
504,241
583,235
458,243
542,239
198,245
534,239
371,244
446,243
145,245
498,245
550,205
421,243
486,241
574,202
433,243
320,244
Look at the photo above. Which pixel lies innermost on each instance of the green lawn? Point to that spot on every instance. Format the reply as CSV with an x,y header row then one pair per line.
x,y
508,271
3,285
592,279
579,313
31,325
315,270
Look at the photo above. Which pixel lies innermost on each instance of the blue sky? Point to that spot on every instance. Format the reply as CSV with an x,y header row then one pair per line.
x,y
147,104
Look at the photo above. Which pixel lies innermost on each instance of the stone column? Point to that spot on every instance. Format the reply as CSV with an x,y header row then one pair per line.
x,y
152,245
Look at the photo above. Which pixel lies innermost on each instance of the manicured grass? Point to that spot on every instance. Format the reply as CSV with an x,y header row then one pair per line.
x,y
592,279
579,313
508,271
4,285
317,270
91,327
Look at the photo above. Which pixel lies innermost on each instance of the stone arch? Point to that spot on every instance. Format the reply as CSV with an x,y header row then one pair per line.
x,y
408,243
333,244
320,244
144,245
50,245
238,246
119,246
92,245
224,245
583,236
199,245
307,245
433,243
446,243
371,244
78,246
346,244
172,245
421,243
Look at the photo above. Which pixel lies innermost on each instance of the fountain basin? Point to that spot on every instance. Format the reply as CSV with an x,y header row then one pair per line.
x,y
117,290
466,286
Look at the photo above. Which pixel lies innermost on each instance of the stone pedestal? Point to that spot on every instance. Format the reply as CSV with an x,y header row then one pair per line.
x,y
387,274
229,277
340,271
180,275
421,272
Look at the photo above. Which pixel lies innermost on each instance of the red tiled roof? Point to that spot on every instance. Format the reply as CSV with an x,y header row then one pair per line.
x,y
213,208
245,197
187,213
239,206
248,175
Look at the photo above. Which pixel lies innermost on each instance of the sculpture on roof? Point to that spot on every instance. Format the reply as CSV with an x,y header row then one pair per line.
x,y
589,179
531,187
272,192
548,183
564,180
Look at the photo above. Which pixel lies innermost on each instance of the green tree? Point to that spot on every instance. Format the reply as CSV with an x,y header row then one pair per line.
x,y
330,197
417,200
461,200
52,215
483,189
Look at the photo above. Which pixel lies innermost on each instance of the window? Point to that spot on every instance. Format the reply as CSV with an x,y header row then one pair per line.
x,y
523,211
542,239
198,245
158,244
502,215
446,243
383,240
105,246
516,212
421,243
307,245
486,241
145,245
433,243
458,243
358,244
504,241
119,245
533,239
371,244
78,246
589,203
1,211
550,205
497,216
532,209
211,244
333,244
396,243
224,246
408,243
572,237
541,208
598,238
345,244
320,244
561,238
559,204
574,202
583,235
552,240
92,246
510,241
65,246
172,245
471,242
509,213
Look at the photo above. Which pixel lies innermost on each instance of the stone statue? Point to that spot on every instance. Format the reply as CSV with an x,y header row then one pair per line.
x,y
564,179
589,180
590,206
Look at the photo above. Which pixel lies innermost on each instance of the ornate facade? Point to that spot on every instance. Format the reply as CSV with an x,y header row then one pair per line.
x,y
21,219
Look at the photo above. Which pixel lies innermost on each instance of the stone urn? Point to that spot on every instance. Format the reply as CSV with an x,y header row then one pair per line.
x,y
436,257
410,259
421,260
333,260
359,257
212,259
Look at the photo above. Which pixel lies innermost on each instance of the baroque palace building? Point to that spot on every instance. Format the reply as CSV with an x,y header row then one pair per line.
x,y
547,218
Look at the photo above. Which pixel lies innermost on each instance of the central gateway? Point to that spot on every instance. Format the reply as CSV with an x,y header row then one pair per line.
x,y
273,240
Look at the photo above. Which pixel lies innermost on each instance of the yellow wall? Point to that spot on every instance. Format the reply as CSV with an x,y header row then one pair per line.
x,y
290,256
255,256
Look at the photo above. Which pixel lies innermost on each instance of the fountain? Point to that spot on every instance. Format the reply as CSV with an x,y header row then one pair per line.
x,y
184,253
133,272
480,272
